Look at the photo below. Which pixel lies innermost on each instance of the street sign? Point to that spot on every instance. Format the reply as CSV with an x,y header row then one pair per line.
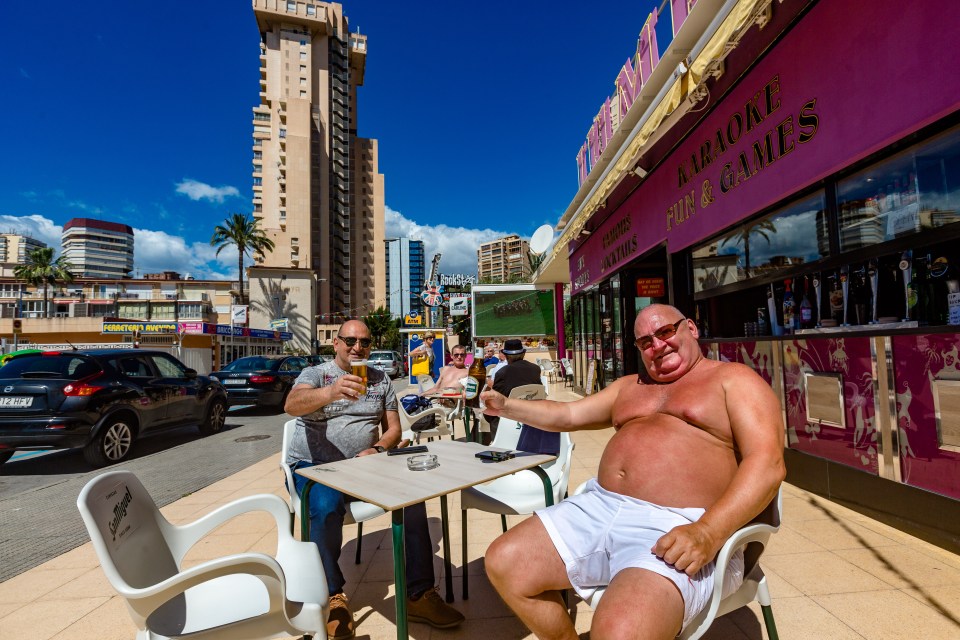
x,y
280,324
458,305
17,326
238,314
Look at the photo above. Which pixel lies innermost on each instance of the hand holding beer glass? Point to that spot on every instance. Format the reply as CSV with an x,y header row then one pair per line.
x,y
359,369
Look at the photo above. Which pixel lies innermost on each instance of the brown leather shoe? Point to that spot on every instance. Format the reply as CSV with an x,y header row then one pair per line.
x,y
340,622
430,608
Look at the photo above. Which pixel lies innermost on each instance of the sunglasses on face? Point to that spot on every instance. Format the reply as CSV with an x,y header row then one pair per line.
x,y
350,341
459,355
663,333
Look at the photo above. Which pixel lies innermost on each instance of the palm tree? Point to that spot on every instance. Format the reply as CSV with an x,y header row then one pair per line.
x,y
41,268
763,228
244,233
379,321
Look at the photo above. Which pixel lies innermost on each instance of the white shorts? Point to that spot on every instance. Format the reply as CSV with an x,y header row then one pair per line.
x,y
599,533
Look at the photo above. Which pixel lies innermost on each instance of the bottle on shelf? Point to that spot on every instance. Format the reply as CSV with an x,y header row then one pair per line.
x,y
788,308
806,309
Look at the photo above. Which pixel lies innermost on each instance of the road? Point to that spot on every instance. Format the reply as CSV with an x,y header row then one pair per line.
x,y
38,512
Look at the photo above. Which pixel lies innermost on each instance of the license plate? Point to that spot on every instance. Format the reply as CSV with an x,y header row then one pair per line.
x,y
234,381
16,401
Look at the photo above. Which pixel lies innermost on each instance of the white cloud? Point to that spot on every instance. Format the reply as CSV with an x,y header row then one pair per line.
x,y
35,226
156,251
457,245
196,190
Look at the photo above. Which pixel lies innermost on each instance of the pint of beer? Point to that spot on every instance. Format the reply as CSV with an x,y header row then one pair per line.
x,y
359,369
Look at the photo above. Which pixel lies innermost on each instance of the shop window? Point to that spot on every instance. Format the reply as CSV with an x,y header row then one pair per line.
x,y
792,235
914,190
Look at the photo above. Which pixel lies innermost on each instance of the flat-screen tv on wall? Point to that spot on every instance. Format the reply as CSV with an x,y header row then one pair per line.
x,y
512,310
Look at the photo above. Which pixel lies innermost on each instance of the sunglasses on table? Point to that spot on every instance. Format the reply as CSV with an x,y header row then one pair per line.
x,y
663,333
350,341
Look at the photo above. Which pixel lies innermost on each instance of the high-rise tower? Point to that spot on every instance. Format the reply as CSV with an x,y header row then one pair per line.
x,y
316,185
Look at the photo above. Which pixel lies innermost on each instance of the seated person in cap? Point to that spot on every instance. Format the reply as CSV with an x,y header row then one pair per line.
x,y
697,453
516,373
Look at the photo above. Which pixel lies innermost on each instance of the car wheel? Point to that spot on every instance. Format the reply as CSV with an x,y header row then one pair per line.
x,y
215,420
111,444
5,455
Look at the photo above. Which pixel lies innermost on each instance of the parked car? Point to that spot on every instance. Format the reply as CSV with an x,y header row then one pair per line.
x,y
263,381
389,362
102,400
316,360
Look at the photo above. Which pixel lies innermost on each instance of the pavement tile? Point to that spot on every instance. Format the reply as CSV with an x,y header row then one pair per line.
x,y
888,615
43,619
33,584
822,572
799,618
945,600
109,621
838,534
90,584
902,567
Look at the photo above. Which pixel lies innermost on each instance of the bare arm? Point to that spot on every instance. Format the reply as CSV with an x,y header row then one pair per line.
x,y
305,399
757,429
390,424
591,412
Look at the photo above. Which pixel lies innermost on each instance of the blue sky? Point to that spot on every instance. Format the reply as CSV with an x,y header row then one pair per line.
x,y
141,114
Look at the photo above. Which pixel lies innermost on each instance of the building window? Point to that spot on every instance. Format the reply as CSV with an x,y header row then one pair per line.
x,y
257,168
291,6
311,10
303,68
303,55
303,82
303,43
303,94
283,133
257,182
257,155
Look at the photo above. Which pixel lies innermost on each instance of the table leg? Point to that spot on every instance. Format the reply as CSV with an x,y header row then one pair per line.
x,y
547,487
399,573
305,511
447,571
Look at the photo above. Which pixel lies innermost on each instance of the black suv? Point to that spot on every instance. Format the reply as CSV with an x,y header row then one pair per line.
x,y
101,400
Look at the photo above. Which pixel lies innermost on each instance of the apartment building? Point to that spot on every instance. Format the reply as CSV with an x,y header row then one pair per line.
x,y
504,260
97,248
406,273
14,249
316,186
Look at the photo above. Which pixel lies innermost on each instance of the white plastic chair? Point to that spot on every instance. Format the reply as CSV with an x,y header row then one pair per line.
x,y
567,371
520,493
357,512
754,538
424,382
548,369
243,595
407,421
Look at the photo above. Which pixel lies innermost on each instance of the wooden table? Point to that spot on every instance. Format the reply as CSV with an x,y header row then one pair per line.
x,y
386,482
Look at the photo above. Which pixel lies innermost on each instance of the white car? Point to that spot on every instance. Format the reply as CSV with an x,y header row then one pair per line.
x,y
389,362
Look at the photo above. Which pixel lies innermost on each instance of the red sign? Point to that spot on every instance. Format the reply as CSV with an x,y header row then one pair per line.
x,y
651,287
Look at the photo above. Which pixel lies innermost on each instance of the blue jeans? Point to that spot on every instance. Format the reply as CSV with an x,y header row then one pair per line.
x,y
327,508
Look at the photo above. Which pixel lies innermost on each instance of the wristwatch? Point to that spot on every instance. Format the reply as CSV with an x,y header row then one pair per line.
x,y
378,448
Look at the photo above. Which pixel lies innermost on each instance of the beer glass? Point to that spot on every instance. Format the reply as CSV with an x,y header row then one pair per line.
x,y
359,369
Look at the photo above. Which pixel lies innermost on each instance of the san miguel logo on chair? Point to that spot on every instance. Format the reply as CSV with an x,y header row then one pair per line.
x,y
120,512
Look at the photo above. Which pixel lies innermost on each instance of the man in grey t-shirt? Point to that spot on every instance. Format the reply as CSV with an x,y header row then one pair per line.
x,y
338,421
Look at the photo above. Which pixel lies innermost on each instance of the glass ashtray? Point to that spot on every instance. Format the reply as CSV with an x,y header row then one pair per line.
x,y
422,462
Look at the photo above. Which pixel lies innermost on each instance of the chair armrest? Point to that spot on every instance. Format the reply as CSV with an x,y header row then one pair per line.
x,y
756,532
144,601
182,538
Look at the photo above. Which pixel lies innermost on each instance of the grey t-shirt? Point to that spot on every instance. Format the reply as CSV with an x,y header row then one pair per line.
x,y
343,428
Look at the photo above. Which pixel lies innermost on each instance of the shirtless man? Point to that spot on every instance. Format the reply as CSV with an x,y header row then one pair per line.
x,y
700,437
451,374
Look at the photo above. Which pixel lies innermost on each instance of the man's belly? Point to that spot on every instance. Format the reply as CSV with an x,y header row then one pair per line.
x,y
664,460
